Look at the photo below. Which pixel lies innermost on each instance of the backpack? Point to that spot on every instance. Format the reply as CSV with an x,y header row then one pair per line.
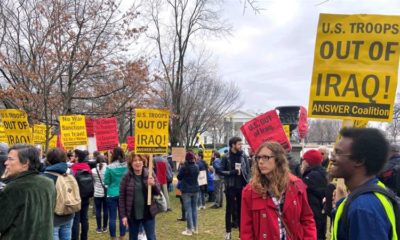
x,y
68,200
391,196
85,183
391,179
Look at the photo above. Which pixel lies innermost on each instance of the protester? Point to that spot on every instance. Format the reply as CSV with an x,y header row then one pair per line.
x,y
236,171
188,175
133,197
274,203
325,156
28,199
56,160
100,193
3,158
178,194
161,168
218,181
112,179
203,166
83,175
359,156
315,177
390,174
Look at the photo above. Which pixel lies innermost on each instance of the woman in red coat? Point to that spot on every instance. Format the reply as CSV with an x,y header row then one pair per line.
x,y
274,203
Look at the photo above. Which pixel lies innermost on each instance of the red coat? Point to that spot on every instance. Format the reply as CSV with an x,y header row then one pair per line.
x,y
259,219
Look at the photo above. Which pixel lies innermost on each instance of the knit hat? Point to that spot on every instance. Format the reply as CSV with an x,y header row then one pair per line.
x,y
313,157
189,156
3,148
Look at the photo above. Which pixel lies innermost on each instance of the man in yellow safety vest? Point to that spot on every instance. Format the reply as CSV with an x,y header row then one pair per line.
x,y
358,158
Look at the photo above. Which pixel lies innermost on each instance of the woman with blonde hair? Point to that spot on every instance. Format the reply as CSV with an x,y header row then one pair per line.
x,y
274,203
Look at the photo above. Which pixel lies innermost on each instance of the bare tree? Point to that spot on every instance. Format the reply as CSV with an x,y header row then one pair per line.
x,y
205,101
393,129
69,56
322,131
190,20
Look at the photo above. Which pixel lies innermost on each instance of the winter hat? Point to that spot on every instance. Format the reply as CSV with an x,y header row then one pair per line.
x,y
313,157
189,156
3,148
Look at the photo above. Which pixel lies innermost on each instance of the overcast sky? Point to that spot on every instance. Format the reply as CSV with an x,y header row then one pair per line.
x,y
270,55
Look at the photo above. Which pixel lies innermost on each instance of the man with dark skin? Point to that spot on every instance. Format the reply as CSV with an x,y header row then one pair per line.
x,y
359,156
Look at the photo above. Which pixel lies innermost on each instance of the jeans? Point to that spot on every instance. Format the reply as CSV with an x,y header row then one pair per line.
x,y
101,204
113,207
233,202
190,203
63,231
149,226
219,189
81,217
201,198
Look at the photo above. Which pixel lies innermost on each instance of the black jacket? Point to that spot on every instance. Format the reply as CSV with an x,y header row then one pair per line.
x,y
231,177
188,175
317,183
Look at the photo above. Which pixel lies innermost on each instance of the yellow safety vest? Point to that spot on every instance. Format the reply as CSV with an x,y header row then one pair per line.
x,y
387,205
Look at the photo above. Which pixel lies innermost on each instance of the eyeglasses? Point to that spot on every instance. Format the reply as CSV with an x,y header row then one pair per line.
x,y
264,158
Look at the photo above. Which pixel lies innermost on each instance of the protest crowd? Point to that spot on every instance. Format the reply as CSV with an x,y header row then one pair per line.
x,y
48,197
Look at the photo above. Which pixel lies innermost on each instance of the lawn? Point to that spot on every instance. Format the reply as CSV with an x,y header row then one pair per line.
x,y
211,224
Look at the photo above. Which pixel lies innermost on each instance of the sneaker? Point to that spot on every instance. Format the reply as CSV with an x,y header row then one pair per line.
x,y
98,230
203,207
228,236
187,232
214,206
194,230
105,230
181,219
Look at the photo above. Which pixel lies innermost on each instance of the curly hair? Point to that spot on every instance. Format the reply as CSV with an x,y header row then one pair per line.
x,y
276,181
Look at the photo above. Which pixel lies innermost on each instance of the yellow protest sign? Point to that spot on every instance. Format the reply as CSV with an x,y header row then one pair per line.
x,y
124,146
207,155
3,136
200,139
73,131
16,126
39,134
287,130
355,67
53,142
151,131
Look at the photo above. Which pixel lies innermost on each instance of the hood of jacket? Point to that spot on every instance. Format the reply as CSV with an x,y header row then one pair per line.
x,y
60,168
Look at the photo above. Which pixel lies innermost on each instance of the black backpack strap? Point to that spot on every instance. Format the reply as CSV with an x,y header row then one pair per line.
x,y
370,188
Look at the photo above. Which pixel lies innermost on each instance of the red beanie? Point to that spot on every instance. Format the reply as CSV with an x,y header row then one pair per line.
x,y
313,157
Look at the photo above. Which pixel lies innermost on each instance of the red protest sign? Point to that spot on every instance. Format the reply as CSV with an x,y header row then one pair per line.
x,y
302,126
89,127
266,127
130,140
106,133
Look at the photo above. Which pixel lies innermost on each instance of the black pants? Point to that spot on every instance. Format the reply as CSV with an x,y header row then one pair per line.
x,y
233,203
81,217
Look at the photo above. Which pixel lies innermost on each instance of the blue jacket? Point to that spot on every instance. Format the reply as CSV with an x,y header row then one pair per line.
x,y
367,218
188,175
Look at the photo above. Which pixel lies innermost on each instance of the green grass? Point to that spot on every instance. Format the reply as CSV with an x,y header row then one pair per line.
x,y
211,224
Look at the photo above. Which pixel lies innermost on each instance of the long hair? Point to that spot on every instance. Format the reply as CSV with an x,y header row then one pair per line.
x,y
277,180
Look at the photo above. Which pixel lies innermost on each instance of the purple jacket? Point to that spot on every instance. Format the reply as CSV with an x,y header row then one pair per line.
x,y
127,192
